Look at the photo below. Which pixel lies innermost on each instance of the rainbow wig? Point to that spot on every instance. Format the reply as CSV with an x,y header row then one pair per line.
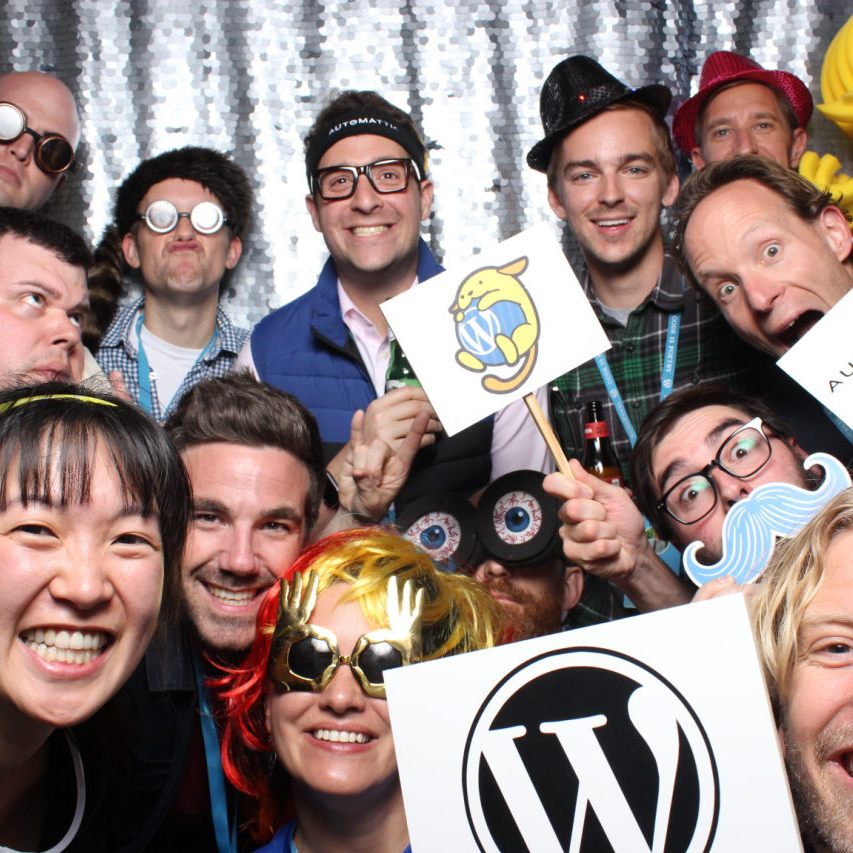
x,y
459,615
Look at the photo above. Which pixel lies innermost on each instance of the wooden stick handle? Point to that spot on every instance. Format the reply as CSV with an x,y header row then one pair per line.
x,y
548,434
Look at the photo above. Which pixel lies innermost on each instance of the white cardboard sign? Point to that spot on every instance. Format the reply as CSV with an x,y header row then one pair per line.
x,y
489,331
645,734
822,360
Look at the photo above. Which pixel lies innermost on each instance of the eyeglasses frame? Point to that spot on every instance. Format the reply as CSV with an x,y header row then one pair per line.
x,y
143,217
358,171
756,424
39,139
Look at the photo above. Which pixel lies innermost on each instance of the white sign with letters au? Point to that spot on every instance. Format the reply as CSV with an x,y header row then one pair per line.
x,y
495,328
641,735
822,360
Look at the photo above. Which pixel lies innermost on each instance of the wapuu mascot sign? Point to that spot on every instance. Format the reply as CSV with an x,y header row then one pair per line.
x,y
496,327
496,323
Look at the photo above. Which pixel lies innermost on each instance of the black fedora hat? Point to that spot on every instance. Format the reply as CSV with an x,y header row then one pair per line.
x,y
576,90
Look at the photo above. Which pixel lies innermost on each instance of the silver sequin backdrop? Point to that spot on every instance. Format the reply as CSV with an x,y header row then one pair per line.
x,y
248,77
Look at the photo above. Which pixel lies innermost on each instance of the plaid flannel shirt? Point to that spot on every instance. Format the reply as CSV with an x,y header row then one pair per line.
x,y
707,350
118,351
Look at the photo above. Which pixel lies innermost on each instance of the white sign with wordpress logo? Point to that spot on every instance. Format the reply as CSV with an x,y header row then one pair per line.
x,y
648,734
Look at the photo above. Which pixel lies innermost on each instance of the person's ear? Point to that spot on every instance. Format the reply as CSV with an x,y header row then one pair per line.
x,y
557,205
670,191
235,250
697,159
130,250
572,588
835,230
311,205
426,199
799,142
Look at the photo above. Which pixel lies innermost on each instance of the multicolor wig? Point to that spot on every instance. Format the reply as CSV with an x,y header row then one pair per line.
x,y
459,615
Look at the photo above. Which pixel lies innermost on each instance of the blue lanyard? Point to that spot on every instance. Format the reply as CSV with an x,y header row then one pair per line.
x,y
143,368
291,844
667,376
226,841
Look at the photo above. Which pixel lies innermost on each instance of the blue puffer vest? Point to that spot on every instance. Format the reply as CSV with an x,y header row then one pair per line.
x,y
306,349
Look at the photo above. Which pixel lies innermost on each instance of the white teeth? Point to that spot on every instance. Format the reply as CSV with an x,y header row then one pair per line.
x,y
336,736
233,597
65,647
609,223
369,230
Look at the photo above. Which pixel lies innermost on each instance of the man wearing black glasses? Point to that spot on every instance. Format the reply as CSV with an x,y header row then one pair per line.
x,y
697,454
39,132
369,191
179,222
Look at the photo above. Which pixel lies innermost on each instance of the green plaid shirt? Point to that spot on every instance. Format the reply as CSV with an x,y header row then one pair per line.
x,y
707,350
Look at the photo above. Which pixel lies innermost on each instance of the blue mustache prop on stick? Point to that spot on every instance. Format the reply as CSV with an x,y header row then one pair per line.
x,y
752,525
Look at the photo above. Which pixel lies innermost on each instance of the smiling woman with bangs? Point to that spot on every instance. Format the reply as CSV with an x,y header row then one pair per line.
x,y
312,693
93,514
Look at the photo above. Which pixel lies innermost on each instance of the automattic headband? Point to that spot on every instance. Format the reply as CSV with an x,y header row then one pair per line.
x,y
364,121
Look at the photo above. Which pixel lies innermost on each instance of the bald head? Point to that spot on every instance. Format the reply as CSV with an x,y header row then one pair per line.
x,y
50,108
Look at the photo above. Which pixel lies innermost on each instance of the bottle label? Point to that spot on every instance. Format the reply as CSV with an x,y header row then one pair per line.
x,y
391,384
596,429
606,473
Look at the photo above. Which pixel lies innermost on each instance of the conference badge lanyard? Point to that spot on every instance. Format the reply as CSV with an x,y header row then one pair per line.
x,y
667,376
669,554
226,840
143,368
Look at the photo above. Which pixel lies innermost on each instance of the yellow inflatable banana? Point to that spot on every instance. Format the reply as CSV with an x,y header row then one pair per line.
x,y
836,79
825,173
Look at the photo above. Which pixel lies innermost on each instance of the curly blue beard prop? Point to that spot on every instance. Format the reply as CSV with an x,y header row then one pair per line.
x,y
752,525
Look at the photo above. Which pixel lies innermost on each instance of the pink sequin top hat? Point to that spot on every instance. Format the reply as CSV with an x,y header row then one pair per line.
x,y
723,67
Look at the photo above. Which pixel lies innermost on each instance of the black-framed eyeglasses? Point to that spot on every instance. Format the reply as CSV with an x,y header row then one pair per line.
x,y
52,152
162,217
337,183
744,453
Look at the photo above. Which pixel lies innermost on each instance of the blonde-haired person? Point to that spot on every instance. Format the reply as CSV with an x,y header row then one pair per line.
x,y
803,620
312,688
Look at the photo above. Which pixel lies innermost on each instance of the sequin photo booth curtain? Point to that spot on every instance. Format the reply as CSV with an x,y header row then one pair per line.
x,y
249,77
